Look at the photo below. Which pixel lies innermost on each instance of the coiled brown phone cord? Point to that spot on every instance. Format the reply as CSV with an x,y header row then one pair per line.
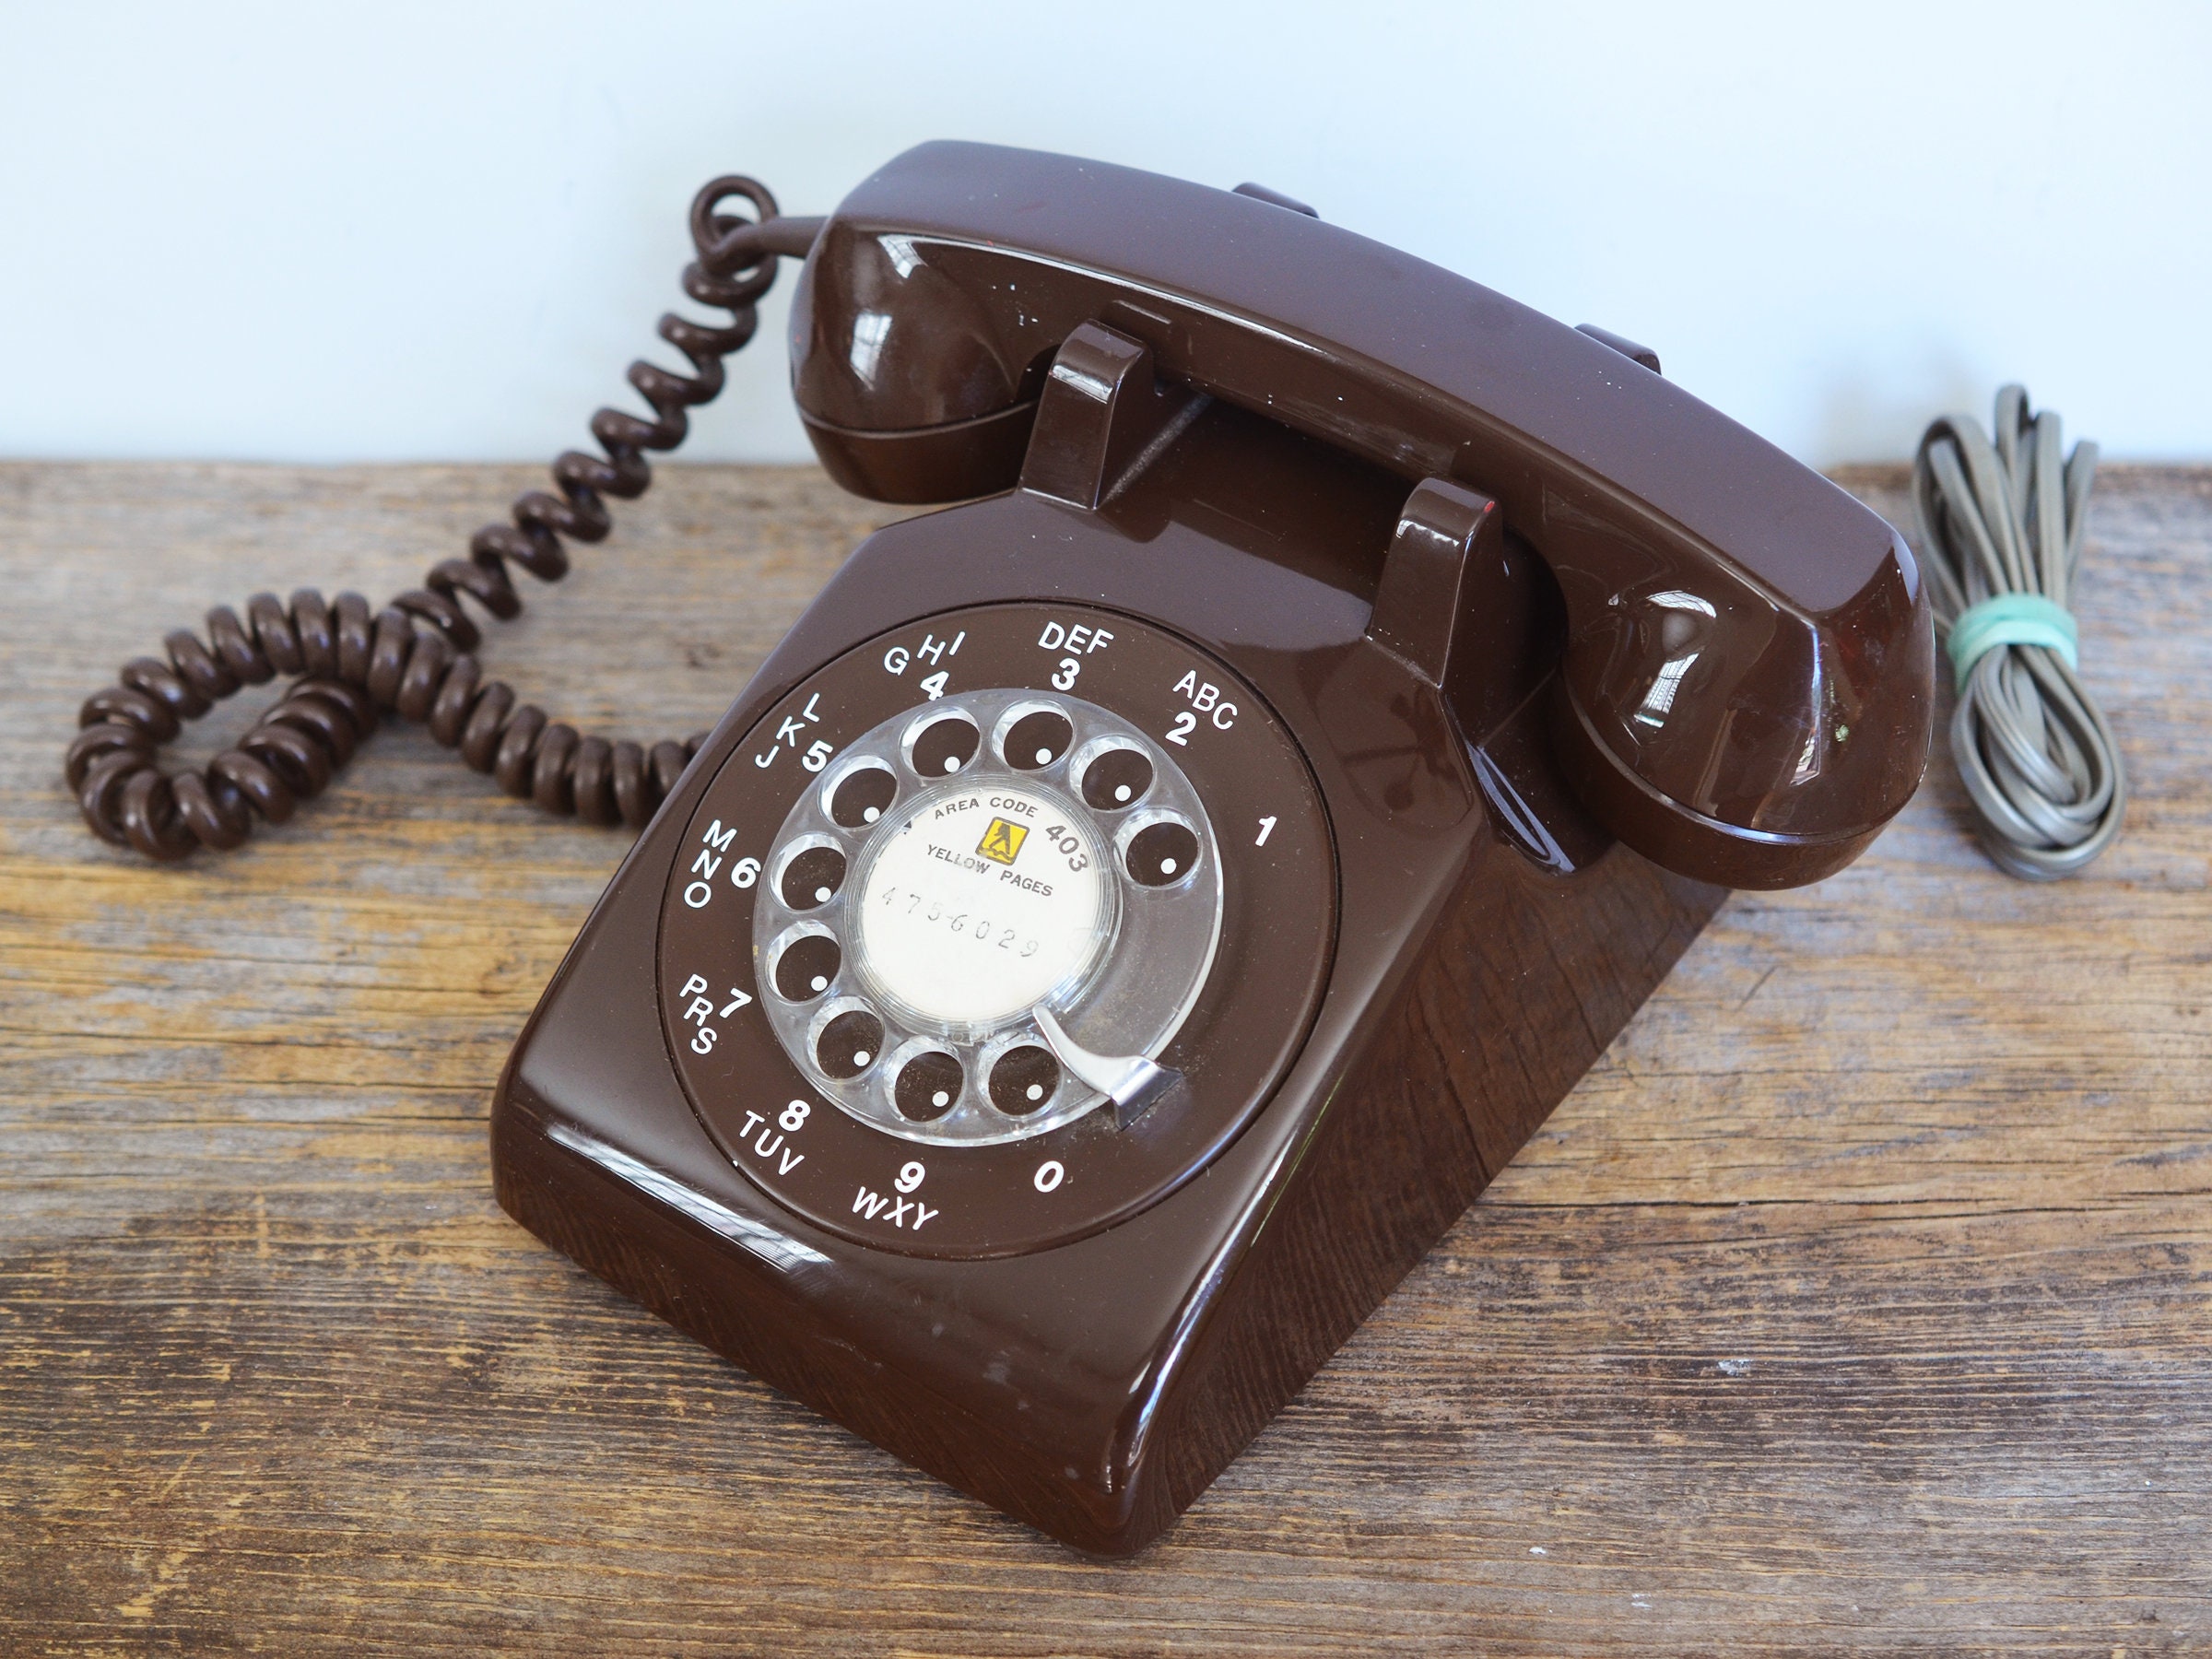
x,y
353,662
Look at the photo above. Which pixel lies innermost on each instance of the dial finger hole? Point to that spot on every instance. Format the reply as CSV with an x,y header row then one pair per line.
x,y
1023,1079
1161,854
1115,777
861,796
940,747
807,966
928,1086
1033,737
812,877
848,1044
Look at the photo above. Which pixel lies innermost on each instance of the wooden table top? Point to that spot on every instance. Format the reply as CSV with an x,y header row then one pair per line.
x,y
1860,1299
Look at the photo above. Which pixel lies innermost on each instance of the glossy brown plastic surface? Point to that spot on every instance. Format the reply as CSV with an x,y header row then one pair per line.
x,y
1491,939
1749,666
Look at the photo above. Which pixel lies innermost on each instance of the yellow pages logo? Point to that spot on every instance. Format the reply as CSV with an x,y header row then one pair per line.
x,y
1002,842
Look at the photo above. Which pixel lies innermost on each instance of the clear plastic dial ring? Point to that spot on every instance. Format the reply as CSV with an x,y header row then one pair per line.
x,y
975,881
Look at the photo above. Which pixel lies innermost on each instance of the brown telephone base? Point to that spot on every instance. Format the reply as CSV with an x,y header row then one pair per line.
x,y
1489,942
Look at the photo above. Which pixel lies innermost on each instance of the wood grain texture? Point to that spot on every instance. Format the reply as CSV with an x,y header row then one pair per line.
x,y
1857,1302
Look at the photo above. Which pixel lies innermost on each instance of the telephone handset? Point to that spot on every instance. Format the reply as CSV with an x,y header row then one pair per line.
x,y
1746,661
1134,913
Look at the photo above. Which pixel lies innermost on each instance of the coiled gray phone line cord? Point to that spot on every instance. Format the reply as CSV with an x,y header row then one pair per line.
x,y
2002,520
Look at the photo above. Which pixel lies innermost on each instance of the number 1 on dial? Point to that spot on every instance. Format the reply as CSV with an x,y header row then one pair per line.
x,y
1266,829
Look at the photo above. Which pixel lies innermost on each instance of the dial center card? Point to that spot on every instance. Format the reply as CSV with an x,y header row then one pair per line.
x,y
979,903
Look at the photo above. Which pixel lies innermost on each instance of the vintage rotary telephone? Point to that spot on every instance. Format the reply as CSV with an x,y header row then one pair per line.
x,y
1134,914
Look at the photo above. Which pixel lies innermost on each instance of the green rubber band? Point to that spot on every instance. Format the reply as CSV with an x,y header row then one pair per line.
x,y
2010,620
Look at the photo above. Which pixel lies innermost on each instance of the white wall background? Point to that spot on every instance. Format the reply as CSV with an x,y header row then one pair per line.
x,y
439,230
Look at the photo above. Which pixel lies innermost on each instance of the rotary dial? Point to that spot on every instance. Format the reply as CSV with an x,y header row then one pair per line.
x,y
987,917
995,927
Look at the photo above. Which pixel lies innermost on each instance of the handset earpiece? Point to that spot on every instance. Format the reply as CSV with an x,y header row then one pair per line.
x,y
1747,676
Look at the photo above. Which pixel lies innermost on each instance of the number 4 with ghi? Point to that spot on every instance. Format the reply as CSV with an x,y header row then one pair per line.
x,y
932,650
